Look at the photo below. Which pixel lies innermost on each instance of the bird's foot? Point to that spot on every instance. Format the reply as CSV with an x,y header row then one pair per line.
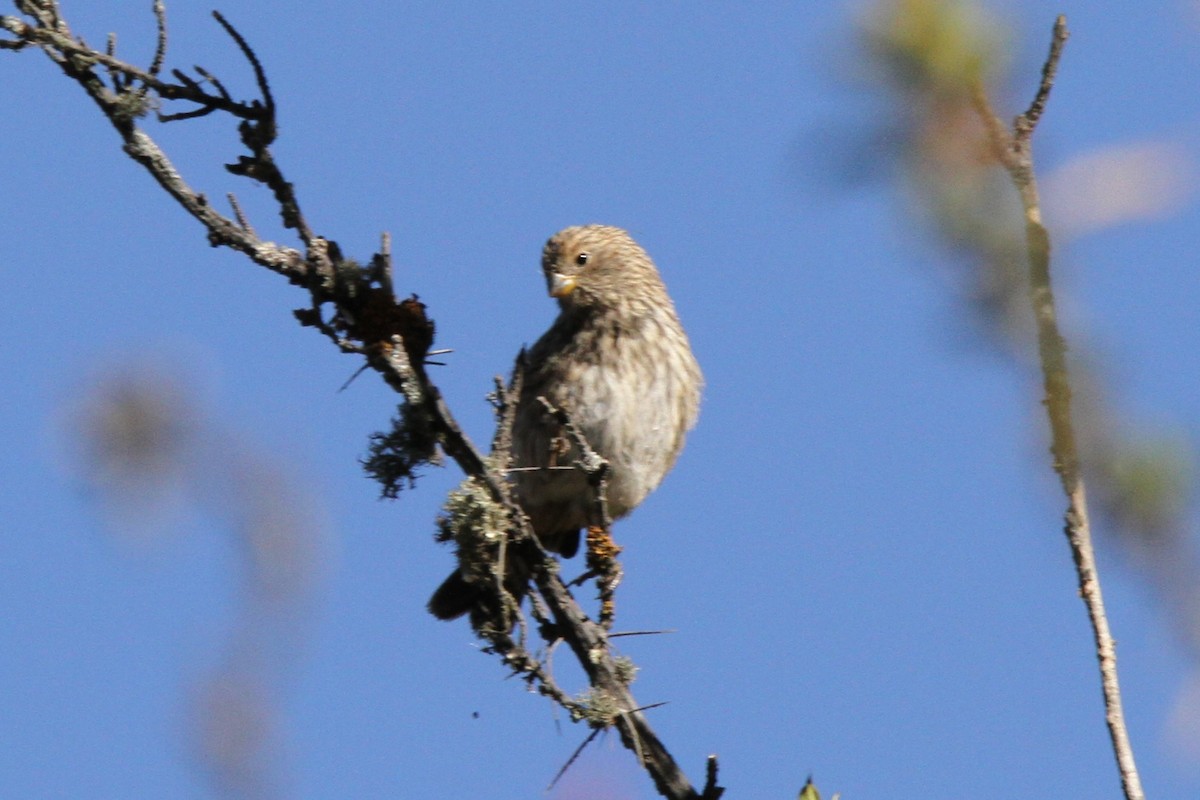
x,y
602,562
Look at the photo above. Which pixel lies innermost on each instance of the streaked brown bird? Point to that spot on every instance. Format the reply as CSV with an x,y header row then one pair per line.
x,y
617,360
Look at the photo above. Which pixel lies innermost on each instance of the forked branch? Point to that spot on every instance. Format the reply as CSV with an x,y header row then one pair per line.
x,y
1013,148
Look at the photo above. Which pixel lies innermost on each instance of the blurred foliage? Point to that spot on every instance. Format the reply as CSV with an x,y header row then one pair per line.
x,y
926,56
1151,478
934,47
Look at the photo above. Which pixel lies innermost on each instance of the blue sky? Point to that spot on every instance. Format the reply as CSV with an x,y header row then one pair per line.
x,y
860,547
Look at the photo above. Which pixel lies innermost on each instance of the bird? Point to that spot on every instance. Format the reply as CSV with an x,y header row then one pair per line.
x,y
618,361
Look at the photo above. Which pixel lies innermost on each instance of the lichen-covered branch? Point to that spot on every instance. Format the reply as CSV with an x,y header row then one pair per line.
x,y
1014,150
354,306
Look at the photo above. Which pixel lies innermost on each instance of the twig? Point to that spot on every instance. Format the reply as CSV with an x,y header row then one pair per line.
x,y
239,214
260,75
712,791
1014,150
160,40
1025,123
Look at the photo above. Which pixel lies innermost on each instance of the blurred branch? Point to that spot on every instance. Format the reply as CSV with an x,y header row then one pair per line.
x,y
1014,149
146,447
355,308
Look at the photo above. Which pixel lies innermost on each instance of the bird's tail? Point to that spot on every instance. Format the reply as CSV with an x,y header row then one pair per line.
x,y
457,595
454,597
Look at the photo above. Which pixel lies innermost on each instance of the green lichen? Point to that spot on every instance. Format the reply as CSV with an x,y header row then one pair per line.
x,y
395,458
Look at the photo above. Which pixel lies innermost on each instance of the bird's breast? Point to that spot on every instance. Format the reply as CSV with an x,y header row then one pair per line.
x,y
634,407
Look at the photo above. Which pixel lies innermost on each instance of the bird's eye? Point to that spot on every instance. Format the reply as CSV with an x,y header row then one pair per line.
x,y
581,259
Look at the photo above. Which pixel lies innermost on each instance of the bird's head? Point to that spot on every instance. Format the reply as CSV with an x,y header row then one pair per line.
x,y
598,266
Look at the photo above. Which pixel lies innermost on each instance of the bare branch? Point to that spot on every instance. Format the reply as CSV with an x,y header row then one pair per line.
x,y
1014,150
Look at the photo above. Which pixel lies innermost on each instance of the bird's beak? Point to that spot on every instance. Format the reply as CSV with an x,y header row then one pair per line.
x,y
561,285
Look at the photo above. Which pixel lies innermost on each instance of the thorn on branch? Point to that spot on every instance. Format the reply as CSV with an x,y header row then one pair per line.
x,y
574,757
